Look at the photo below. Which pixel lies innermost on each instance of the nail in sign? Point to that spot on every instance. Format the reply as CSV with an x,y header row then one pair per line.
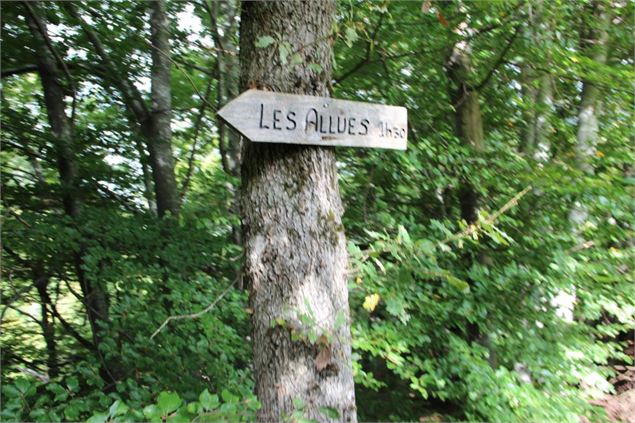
x,y
265,116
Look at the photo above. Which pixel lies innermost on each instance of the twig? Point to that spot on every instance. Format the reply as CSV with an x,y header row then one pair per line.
x,y
500,59
370,43
466,232
24,313
476,226
580,247
30,372
17,216
197,314
19,71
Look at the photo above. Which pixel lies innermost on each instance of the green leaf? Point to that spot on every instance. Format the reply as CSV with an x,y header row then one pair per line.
x,y
264,41
72,410
395,358
194,407
296,59
23,385
179,417
284,49
228,397
298,404
404,276
208,401
117,408
315,67
151,411
330,412
404,237
459,284
253,404
350,36
98,418
72,384
168,402
340,319
313,336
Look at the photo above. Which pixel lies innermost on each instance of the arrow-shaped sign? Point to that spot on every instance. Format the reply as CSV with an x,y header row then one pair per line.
x,y
265,116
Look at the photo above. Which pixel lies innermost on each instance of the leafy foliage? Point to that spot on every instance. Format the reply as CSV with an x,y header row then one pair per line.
x,y
451,319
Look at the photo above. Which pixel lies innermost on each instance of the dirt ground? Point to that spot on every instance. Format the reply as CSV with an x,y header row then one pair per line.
x,y
621,406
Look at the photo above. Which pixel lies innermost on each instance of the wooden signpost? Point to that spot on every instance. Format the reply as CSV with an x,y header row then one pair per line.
x,y
265,116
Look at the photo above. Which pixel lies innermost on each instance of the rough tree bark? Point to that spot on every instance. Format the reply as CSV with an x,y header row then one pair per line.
x,y
95,297
294,243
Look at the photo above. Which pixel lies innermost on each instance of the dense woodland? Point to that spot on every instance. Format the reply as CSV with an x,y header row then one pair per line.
x,y
489,266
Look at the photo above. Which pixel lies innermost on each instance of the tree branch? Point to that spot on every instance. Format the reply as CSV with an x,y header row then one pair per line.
x,y
197,130
369,45
132,97
42,29
71,331
198,314
19,71
500,59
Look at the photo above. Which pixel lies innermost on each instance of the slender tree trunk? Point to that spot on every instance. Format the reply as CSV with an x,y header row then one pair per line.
x,y
542,150
594,42
294,243
538,88
159,144
41,282
468,128
530,95
468,123
148,183
95,297
227,69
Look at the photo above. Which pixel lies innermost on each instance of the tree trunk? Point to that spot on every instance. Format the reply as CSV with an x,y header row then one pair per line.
x,y
227,69
529,95
594,41
295,251
159,144
41,281
468,128
95,297
538,88
468,123
154,125
542,149
148,183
